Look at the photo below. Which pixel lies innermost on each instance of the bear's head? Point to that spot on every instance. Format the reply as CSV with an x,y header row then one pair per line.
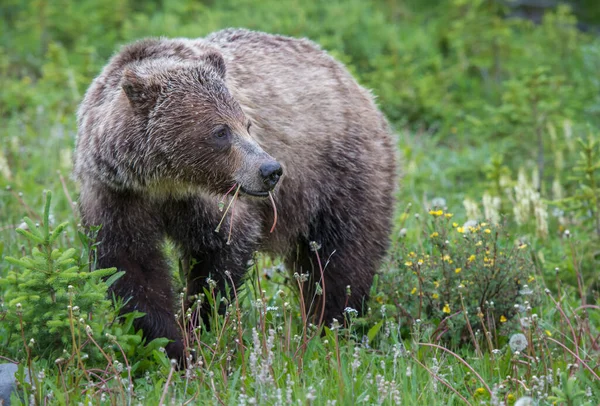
x,y
195,131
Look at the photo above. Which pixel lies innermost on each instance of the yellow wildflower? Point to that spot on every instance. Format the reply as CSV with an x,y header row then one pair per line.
x,y
503,319
436,213
483,224
460,229
479,243
446,308
408,263
511,398
435,296
522,246
449,215
434,234
446,257
548,333
472,258
531,279
436,284
413,291
457,270
480,391
487,231
454,225
412,254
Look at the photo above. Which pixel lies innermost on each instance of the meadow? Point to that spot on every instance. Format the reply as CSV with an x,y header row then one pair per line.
x,y
490,291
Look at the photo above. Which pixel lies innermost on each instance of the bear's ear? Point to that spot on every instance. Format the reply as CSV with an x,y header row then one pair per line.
x,y
141,90
216,61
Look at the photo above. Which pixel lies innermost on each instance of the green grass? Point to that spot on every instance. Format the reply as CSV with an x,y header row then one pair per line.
x,y
457,82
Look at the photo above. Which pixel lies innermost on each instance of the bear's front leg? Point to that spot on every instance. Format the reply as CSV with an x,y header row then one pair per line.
x,y
129,239
191,223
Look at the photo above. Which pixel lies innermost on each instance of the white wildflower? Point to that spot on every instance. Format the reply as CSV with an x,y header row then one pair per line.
x,y
524,401
491,207
472,209
517,342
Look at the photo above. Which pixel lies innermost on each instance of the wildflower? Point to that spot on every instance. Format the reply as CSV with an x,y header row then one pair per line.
x,y
526,291
548,333
457,270
472,209
524,401
413,291
491,207
212,284
436,284
438,202
518,342
522,246
460,230
503,319
472,258
435,296
408,263
487,231
448,215
434,234
454,225
531,279
446,308
480,391
436,213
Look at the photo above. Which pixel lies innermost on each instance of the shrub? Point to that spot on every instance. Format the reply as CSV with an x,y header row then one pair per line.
x,y
464,278
53,297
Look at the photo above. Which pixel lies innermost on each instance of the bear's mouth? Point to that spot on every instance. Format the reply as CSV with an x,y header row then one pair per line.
x,y
253,192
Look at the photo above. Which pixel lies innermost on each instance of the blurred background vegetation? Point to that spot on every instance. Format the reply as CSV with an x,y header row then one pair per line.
x,y
496,104
476,93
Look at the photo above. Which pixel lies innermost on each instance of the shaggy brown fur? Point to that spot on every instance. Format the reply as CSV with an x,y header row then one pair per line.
x,y
171,124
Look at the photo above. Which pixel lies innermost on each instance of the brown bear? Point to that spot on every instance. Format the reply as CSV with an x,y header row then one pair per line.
x,y
172,125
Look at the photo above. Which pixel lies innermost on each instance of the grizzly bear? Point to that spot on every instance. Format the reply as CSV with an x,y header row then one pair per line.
x,y
172,125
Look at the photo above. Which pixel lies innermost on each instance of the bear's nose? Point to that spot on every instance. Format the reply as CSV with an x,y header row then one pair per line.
x,y
270,172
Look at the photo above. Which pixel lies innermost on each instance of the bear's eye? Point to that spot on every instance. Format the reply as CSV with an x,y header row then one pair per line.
x,y
222,133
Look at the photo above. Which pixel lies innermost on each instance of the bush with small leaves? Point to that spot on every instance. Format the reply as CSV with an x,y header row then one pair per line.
x,y
51,296
464,278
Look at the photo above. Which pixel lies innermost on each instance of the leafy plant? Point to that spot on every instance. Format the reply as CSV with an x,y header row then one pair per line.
x,y
464,278
52,297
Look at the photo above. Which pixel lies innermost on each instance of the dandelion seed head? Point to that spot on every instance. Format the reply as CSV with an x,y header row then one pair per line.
x,y
517,342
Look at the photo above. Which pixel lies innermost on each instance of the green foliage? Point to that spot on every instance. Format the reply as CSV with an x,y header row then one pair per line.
x,y
50,294
462,278
488,110
585,202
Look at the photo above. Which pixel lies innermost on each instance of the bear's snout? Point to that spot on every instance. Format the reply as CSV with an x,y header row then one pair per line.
x,y
270,173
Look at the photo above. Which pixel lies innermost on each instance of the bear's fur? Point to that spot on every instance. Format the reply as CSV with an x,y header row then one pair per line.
x,y
170,125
